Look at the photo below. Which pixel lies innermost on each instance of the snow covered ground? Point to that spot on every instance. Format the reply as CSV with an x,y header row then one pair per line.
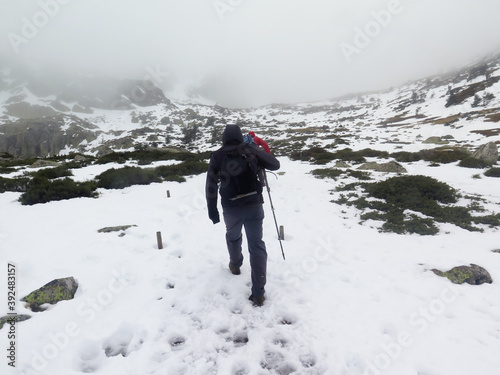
x,y
348,300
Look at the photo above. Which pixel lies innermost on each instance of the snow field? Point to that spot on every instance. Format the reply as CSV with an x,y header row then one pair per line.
x,y
347,300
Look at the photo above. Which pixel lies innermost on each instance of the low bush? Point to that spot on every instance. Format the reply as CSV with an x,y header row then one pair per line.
x,y
471,162
42,190
186,168
53,173
398,197
316,154
334,173
327,173
145,157
492,172
319,155
443,155
126,176
411,191
17,185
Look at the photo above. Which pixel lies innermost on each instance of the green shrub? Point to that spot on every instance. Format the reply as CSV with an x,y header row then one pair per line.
x,y
334,173
145,157
321,156
7,170
492,172
410,191
327,173
348,154
471,162
406,157
17,185
52,173
42,190
443,155
360,175
317,154
126,176
421,194
186,168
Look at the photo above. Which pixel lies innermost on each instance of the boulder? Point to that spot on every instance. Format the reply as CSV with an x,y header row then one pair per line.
x,y
436,140
44,163
9,318
115,229
390,167
52,293
342,164
487,153
473,275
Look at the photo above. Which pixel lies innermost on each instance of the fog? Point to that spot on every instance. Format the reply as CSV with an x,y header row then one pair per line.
x,y
250,52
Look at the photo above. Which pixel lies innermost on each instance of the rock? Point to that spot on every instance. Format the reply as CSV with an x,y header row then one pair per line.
x,y
44,163
79,109
487,153
115,229
390,167
436,140
473,275
18,318
59,106
25,110
80,158
47,136
496,251
342,164
53,292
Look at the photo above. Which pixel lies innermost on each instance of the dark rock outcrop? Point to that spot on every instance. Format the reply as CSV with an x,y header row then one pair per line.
x,y
390,167
473,275
52,293
25,110
17,318
43,137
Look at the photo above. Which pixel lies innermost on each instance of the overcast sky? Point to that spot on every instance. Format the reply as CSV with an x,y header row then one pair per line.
x,y
252,52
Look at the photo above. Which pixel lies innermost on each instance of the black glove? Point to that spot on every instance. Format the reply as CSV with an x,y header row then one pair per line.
x,y
214,216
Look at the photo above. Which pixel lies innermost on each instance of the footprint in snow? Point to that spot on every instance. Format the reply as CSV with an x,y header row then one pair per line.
x,y
90,357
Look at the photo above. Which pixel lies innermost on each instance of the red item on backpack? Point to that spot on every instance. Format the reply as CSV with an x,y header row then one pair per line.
x,y
260,142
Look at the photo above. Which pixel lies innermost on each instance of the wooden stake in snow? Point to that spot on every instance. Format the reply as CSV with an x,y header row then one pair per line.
x,y
158,239
168,193
282,232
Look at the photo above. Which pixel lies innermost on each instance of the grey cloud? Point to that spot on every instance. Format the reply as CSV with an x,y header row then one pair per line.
x,y
252,52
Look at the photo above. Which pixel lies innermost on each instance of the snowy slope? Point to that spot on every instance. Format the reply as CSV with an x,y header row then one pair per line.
x,y
347,300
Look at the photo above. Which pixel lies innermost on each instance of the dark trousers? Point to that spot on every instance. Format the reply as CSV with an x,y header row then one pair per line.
x,y
250,217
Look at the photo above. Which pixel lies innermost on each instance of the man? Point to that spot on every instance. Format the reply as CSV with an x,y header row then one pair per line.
x,y
260,142
233,173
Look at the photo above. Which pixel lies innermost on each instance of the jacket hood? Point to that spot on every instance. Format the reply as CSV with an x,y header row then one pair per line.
x,y
232,135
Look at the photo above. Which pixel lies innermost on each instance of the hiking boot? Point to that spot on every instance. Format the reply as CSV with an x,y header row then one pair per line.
x,y
234,270
257,300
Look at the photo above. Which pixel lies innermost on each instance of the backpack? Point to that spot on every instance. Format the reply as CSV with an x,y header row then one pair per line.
x,y
238,173
248,139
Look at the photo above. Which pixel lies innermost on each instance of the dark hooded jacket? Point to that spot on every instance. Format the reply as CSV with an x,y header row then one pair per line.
x,y
232,141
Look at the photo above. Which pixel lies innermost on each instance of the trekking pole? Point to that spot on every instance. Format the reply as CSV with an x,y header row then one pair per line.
x,y
272,209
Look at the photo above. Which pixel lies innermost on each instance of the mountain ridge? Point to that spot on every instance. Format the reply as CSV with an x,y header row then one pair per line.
x,y
116,109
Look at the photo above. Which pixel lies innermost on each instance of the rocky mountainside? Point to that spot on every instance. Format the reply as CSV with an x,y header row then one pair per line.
x,y
48,116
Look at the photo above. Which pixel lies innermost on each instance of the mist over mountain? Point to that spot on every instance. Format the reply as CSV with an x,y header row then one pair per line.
x,y
242,53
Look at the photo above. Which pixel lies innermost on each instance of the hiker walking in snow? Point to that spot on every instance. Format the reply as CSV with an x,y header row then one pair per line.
x,y
233,173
